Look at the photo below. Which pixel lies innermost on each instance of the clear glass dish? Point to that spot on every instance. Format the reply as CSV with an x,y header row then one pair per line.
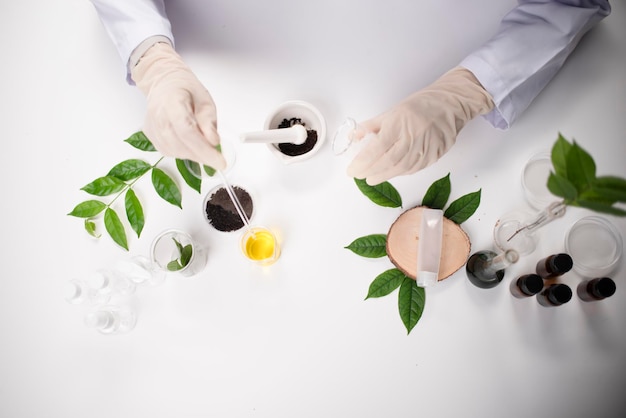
x,y
535,181
595,245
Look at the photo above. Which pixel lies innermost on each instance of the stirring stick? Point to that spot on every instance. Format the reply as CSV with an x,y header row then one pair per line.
x,y
236,202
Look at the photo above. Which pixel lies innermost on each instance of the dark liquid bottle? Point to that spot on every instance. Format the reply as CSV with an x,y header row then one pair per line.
x,y
554,265
555,295
485,269
526,285
596,289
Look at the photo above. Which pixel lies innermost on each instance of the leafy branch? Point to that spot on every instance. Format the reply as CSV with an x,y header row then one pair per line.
x,y
574,179
120,181
411,297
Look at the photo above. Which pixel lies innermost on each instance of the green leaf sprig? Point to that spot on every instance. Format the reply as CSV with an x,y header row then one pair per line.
x,y
411,297
574,179
121,179
184,256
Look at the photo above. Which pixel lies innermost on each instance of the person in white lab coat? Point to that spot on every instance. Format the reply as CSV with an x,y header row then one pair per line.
x,y
498,80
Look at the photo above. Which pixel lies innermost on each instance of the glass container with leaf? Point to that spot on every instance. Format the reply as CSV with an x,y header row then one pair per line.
x,y
572,181
175,252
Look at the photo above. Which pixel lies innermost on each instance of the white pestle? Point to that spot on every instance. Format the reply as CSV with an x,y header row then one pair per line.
x,y
295,134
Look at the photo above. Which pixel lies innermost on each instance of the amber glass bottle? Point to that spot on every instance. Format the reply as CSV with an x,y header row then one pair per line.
x,y
596,289
526,285
555,295
554,265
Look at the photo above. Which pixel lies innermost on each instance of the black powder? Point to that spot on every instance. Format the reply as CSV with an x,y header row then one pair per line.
x,y
293,150
221,212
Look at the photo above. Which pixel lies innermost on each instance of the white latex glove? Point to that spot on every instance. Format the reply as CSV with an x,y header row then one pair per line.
x,y
420,129
181,119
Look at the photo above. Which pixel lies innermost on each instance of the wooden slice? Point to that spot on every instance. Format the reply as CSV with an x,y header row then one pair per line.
x,y
403,237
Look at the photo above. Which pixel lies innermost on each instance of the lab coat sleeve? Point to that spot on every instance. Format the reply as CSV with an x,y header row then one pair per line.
x,y
131,22
530,46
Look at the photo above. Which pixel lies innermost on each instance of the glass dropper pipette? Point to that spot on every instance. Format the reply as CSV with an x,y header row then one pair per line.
x,y
240,211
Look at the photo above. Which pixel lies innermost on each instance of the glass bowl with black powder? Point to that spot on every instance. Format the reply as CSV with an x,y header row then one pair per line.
x,y
220,212
297,112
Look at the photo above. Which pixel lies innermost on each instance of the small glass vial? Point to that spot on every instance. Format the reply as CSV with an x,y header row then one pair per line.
x,y
596,289
526,285
485,269
555,295
554,265
111,320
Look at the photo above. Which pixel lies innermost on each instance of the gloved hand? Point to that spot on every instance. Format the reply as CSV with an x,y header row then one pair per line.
x,y
420,129
181,119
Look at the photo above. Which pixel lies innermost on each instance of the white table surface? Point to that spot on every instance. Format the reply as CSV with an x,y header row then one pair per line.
x,y
296,339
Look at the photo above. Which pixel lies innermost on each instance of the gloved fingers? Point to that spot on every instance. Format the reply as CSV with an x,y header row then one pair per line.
x,y
369,126
384,175
184,137
215,158
191,138
206,116
207,123
166,142
211,157
398,159
372,152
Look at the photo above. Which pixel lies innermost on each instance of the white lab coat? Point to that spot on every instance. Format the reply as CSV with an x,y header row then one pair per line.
x,y
529,48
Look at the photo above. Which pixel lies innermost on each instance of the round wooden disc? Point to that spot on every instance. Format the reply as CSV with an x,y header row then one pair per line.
x,y
403,237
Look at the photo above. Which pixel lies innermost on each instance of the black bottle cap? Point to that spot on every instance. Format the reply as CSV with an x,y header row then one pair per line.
x,y
563,262
559,294
603,287
530,284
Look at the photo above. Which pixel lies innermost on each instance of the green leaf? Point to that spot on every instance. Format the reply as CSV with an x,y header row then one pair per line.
x,y
209,170
179,246
90,227
129,169
438,193
581,169
185,255
115,228
560,186
134,211
461,209
385,283
166,187
610,188
190,171
383,194
411,301
595,196
104,186
174,265
370,246
140,141
599,206
560,149
87,209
